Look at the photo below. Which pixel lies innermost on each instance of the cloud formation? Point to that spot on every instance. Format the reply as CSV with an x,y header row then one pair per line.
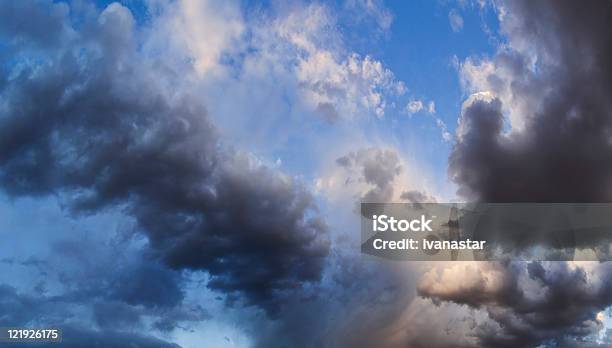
x,y
535,129
552,303
551,82
103,124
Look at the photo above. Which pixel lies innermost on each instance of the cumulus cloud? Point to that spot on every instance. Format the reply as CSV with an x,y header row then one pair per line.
x,y
549,85
527,304
440,326
375,174
534,129
98,123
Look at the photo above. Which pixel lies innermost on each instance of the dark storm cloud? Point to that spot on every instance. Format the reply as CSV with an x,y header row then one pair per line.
x,y
554,75
564,152
104,125
561,305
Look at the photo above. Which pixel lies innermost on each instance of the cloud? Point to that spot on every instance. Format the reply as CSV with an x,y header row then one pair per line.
x,y
431,107
206,30
374,167
534,129
414,106
455,20
307,43
110,131
550,81
20,310
362,303
47,28
378,174
527,304
437,325
417,105
415,196
148,284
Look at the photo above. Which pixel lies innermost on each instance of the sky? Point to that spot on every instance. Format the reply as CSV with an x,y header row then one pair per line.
x,y
187,173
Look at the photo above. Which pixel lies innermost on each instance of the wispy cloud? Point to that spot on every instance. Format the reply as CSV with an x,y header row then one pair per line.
x,y
455,20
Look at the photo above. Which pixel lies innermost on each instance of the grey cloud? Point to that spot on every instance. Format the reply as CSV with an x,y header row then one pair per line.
x,y
19,309
30,22
562,309
415,196
119,285
115,315
148,284
564,152
554,74
97,271
98,125
377,167
178,317
328,112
